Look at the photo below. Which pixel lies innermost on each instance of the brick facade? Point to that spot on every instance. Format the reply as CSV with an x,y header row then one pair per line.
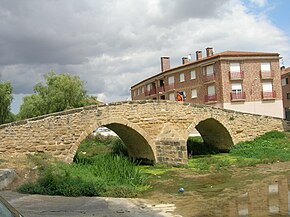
x,y
286,91
250,99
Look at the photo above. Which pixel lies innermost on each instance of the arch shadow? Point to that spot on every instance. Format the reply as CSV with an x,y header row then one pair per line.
x,y
138,143
214,134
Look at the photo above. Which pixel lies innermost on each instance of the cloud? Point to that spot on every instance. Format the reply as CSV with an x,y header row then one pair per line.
x,y
114,44
259,3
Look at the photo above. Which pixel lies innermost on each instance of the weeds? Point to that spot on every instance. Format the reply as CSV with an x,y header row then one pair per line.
x,y
100,168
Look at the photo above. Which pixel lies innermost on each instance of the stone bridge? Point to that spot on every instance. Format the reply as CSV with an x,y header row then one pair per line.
x,y
157,131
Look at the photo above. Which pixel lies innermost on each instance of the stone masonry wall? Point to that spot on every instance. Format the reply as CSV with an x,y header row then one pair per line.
x,y
163,126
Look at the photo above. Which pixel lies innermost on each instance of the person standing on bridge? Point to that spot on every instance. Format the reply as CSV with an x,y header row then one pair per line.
x,y
179,97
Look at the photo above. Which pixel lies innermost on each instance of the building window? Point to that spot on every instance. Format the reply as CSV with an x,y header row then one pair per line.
x,y
149,87
193,93
181,77
267,86
235,67
192,75
236,88
142,89
211,90
211,95
268,92
171,80
138,91
209,70
171,97
288,95
265,67
283,81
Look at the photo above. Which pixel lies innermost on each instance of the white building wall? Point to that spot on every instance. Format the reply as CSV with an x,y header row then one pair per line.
x,y
265,107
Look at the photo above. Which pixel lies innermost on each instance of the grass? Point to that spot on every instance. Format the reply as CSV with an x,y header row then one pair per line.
x,y
101,167
96,171
269,148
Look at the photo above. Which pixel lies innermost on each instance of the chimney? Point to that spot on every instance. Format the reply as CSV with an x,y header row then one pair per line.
x,y
198,55
165,63
185,60
209,51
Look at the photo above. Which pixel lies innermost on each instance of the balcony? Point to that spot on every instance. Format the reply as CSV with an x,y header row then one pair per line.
x,y
240,96
267,75
209,78
236,75
150,92
268,95
210,98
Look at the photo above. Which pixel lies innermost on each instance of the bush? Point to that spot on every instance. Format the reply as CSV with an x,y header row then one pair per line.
x,y
119,148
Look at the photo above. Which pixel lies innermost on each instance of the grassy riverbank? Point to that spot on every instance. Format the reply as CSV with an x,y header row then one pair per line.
x,y
101,167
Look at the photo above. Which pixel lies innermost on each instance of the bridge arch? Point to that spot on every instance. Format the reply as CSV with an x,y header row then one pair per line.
x,y
158,130
213,133
137,141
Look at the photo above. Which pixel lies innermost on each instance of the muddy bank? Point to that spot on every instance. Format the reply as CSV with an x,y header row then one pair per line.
x,y
252,191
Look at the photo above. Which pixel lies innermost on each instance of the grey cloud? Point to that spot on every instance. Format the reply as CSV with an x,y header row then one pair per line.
x,y
114,44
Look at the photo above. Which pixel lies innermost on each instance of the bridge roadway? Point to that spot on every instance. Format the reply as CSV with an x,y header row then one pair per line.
x,y
152,130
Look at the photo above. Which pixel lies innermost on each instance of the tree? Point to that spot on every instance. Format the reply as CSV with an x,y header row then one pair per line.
x,y
32,106
59,93
6,98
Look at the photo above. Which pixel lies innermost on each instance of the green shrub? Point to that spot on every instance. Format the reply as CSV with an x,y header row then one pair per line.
x,y
119,148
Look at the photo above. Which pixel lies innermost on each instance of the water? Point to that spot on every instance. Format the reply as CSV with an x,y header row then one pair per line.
x,y
261,191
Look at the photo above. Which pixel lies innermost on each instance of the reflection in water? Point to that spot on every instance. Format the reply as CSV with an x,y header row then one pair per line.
x,y
268,200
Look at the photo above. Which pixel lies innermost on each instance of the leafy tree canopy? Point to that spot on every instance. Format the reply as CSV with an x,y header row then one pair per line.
x,y
59,93
6,98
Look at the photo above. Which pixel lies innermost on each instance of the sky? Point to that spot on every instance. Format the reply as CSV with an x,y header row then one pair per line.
x,y
112,45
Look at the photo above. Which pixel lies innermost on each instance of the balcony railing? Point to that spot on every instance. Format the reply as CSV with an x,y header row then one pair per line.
x,y
210,98
267,74
210,77
269,94
150,92
238,96
236,75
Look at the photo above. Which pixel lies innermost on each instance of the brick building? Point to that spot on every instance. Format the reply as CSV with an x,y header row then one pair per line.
x,y
242,81
286,91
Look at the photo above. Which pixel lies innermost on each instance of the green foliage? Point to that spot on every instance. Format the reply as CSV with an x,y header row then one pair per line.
x,y
271,147
32,106
106,175
119,148
95,145
96,171
59,93
196,146
6,98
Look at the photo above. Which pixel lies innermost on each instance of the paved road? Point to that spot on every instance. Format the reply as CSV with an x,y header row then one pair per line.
x,y
51,206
